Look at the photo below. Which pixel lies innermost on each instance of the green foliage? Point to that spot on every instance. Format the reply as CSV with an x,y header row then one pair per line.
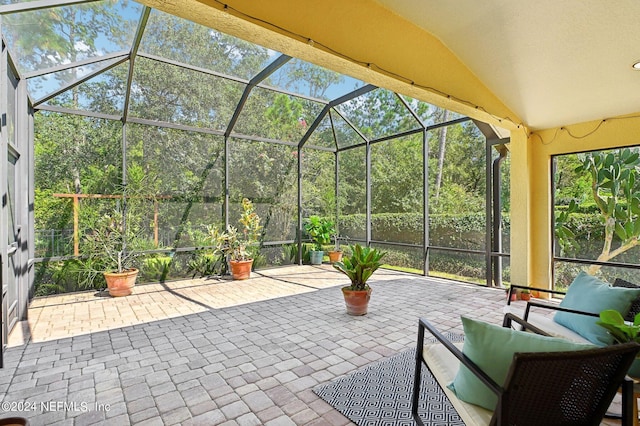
x,y
615,190
460,265
621,331
463,174
156,267
64,277
207,263
320,230
234,245
283,118
66,35
291,253
563,233
466,230
106,245
360,265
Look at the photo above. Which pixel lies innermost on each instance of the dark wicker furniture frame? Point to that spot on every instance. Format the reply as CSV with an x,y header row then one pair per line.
x,y
549,388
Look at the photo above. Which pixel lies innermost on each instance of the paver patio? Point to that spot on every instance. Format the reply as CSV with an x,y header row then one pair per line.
x,y
207,351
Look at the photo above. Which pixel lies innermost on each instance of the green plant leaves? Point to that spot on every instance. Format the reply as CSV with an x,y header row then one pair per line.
x,y
360,266
621,331
320,230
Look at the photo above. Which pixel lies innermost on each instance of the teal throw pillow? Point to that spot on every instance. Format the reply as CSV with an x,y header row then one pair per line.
x,y
588,294
491,348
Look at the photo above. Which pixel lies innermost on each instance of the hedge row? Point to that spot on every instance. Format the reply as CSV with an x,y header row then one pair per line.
x,y
465,231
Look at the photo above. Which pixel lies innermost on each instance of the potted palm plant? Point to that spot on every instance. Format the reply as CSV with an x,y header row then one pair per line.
x,y
320,231
359,267
237,246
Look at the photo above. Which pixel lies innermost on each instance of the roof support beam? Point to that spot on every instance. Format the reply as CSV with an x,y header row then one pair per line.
x,y
314,125
38,5
62,67
411,111
132,59
355,129
270,69
358,92
79,81
342,99
93,114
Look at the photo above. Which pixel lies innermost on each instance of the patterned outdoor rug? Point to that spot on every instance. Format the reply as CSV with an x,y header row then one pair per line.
x,y
380,394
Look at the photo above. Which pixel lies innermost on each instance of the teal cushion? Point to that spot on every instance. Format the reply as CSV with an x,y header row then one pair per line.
x,y
491,348
589,294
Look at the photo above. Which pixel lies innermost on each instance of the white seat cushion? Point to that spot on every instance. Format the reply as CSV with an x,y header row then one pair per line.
x,y
444,367
545,323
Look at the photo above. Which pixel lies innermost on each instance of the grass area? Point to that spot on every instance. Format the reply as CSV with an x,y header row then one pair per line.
x,y
402,269
438,274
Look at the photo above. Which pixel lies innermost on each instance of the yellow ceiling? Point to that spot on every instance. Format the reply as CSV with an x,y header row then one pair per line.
x,y
553,62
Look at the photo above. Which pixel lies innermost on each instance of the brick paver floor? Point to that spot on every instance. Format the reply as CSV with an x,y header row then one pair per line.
x,y
208,352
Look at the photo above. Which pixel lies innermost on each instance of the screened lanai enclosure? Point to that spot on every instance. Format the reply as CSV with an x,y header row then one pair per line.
x,y
113,106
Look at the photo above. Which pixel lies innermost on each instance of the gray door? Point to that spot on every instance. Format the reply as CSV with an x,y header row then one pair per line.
x,y
9,288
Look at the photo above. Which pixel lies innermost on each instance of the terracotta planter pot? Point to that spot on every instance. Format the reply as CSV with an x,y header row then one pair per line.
x,y
241,269
120,284
335,256
525,296
357,301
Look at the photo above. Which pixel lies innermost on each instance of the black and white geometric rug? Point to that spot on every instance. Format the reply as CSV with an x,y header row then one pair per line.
x,y
380,394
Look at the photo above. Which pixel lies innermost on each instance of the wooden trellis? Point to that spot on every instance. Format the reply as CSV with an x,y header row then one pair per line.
x,y
76,214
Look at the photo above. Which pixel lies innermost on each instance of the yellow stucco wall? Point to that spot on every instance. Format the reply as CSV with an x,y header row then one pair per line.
x,y
532,161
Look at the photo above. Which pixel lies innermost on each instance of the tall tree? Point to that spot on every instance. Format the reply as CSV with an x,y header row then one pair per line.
x,y
62,35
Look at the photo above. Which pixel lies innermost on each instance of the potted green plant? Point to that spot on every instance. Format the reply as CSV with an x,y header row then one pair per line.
x,y
335,255
237,246
622,332
359,267
112,249
320,231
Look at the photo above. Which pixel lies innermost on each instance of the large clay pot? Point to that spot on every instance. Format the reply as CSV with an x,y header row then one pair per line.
x,y
316,257
121,283
335,256
241,269
357,301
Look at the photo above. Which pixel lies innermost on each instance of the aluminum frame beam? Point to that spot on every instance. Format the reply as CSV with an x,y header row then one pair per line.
x,y
144,17
89,61
262,75
342,99
79,81
39,5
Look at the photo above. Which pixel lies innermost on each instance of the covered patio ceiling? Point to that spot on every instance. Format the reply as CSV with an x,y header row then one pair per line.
x,y
553,63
